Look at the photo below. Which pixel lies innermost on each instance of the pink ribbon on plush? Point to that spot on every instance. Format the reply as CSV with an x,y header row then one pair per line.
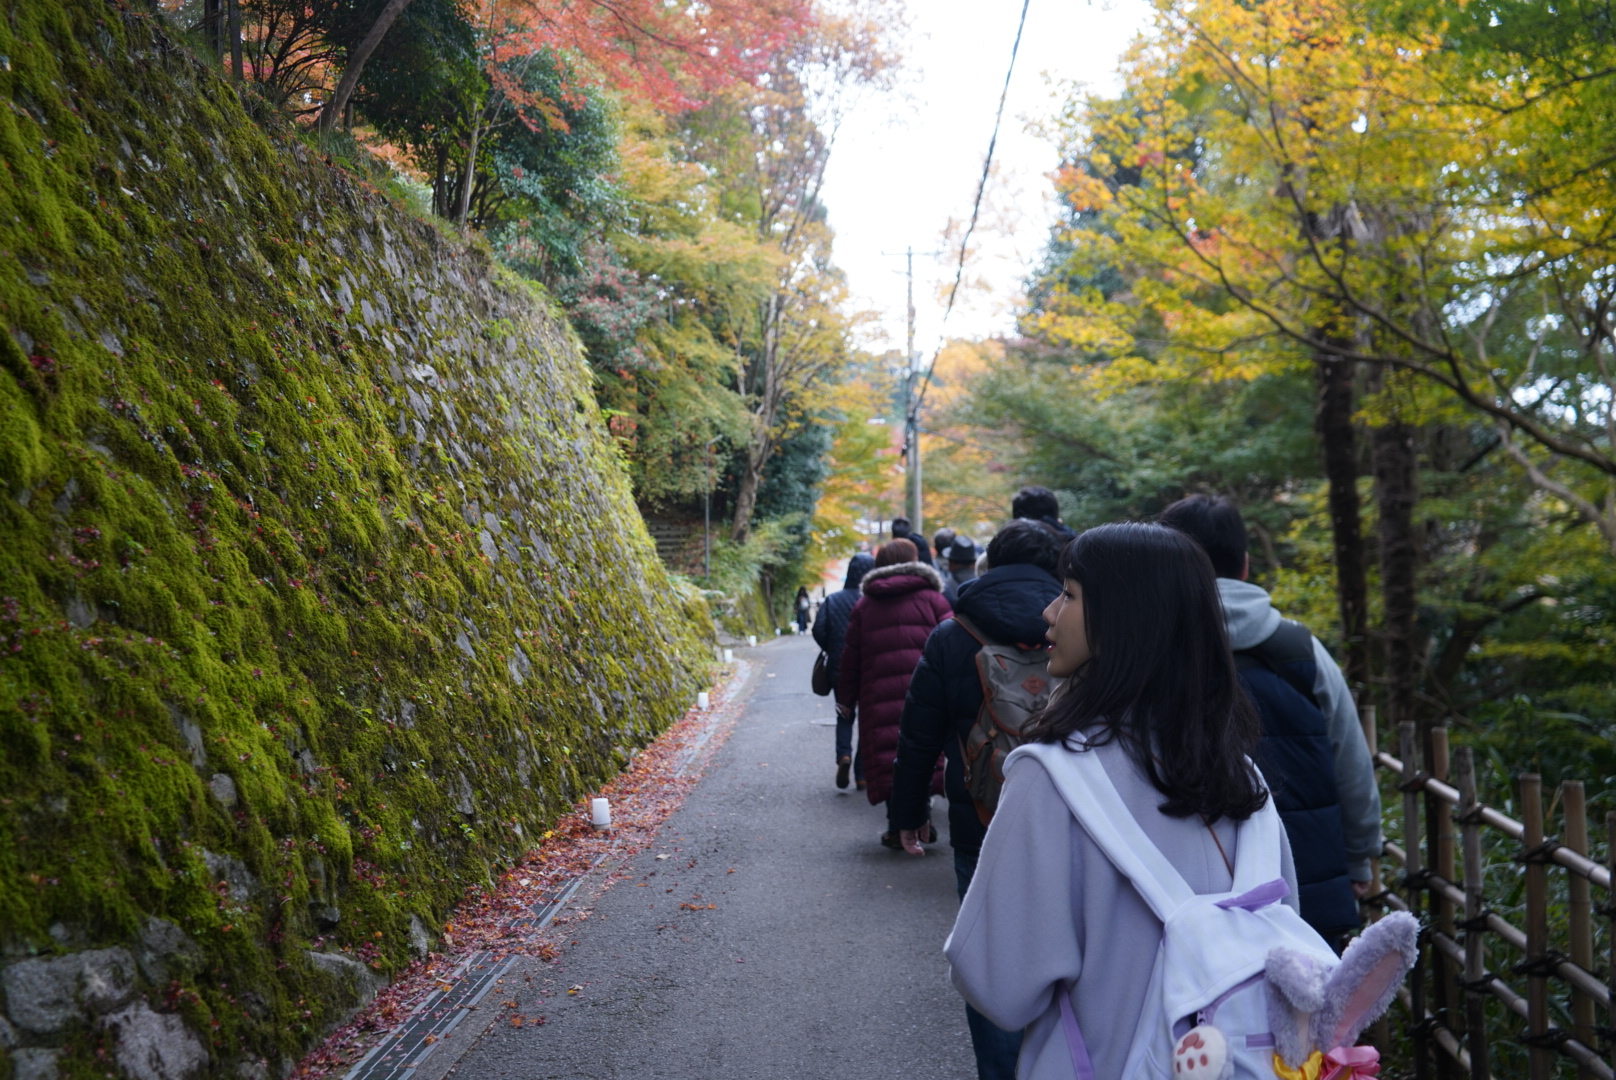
x,y
1350,1063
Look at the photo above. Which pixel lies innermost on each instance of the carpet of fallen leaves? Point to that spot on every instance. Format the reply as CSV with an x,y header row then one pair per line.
x,y
500,922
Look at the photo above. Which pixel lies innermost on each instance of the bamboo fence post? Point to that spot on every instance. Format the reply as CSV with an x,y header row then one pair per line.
x,y
1439,821
1540,1056
1414,880
1371,733
1475,942
1610,908
1380,1033
1580,920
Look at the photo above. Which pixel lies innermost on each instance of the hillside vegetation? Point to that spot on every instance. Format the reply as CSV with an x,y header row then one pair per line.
x,y
321,586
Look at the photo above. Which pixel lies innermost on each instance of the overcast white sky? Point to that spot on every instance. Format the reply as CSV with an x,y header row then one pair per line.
x,y
907,163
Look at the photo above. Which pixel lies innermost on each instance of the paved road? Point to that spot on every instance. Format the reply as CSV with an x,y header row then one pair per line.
x,y
821,958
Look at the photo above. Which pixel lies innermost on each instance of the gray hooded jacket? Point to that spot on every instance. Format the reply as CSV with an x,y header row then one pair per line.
x,y
1251,618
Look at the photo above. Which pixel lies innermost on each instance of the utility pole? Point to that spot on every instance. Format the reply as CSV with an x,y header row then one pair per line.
x,y
911,421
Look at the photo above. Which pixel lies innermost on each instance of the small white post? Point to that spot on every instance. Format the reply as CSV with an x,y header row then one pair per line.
x,y
751,639
600,813
729,656
702,700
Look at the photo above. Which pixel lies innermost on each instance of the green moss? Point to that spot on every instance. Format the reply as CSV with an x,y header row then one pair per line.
x,y
301,498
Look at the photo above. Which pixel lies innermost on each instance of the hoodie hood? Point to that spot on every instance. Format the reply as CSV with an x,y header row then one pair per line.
x,y
1247,612
1007,603
859,565
901,577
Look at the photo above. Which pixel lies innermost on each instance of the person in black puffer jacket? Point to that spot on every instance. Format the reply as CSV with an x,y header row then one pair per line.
x,y
830,633
1007,604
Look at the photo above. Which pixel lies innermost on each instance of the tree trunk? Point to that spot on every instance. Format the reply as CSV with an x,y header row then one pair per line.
x,y
464,207
1395,495
333,109
757,457
1338,441
761,447
213,26
238,69
440,183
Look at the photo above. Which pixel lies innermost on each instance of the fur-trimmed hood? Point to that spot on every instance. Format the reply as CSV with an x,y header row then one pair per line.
x,y
929,579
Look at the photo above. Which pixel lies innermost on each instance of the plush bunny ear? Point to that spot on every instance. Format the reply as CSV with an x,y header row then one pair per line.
x,y
1366,980
1296,984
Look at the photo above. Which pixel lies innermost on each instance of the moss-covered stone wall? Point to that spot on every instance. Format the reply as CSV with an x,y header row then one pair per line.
x,y
321,589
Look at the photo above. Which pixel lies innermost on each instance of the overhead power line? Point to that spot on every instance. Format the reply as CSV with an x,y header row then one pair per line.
x,y
976,208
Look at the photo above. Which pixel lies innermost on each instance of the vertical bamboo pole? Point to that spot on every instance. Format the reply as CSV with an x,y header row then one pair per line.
x,y
1440,823
1580,916
1380,1033
1541,1058
1371,734
1475,942
1407,746
1610,906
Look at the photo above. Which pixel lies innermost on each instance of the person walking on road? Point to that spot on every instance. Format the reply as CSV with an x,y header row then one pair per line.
x,y
1034,503
960,555
1049,922
1007,606
939,542
902,530
902,603
1313,752
830,632
804,604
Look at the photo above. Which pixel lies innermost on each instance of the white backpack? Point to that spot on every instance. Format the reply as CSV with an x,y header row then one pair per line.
x,y
1241,986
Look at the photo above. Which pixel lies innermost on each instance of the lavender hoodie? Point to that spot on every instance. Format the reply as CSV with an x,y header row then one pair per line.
x,y
1046,907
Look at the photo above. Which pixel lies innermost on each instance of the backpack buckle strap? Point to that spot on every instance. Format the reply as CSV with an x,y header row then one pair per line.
x,y
1269,892
1081,1065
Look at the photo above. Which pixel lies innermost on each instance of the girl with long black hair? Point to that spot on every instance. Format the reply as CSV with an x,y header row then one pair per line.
x,y
1151,690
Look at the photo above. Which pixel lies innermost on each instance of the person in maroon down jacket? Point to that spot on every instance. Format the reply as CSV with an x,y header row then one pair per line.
x,y
902,603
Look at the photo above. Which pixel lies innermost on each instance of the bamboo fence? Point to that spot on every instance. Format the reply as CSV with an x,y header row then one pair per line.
x,y
1470,954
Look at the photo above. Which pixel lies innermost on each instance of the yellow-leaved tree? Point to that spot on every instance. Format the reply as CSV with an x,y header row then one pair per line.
x,y
1382,191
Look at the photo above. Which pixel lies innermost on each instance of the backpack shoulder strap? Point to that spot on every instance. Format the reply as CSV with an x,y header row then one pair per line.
x,y
1257,841
1100,809
970,628
1290,643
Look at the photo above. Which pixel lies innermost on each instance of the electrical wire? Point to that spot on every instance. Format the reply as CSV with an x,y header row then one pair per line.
x,y
976,208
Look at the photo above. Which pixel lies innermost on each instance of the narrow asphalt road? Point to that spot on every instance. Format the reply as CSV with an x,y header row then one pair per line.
x,y
820,955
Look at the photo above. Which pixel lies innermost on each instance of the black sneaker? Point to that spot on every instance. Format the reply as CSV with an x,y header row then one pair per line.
x,y
889,839
843,766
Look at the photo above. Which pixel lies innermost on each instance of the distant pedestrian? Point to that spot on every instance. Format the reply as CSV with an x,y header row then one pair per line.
x,y
1313,752
902,603
830,631
902,530
960,558
939,544
1006,606
1050,925
1036,503
804,604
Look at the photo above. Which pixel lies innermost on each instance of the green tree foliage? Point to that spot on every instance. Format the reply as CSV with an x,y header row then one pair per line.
x,y
1419,191
656,168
